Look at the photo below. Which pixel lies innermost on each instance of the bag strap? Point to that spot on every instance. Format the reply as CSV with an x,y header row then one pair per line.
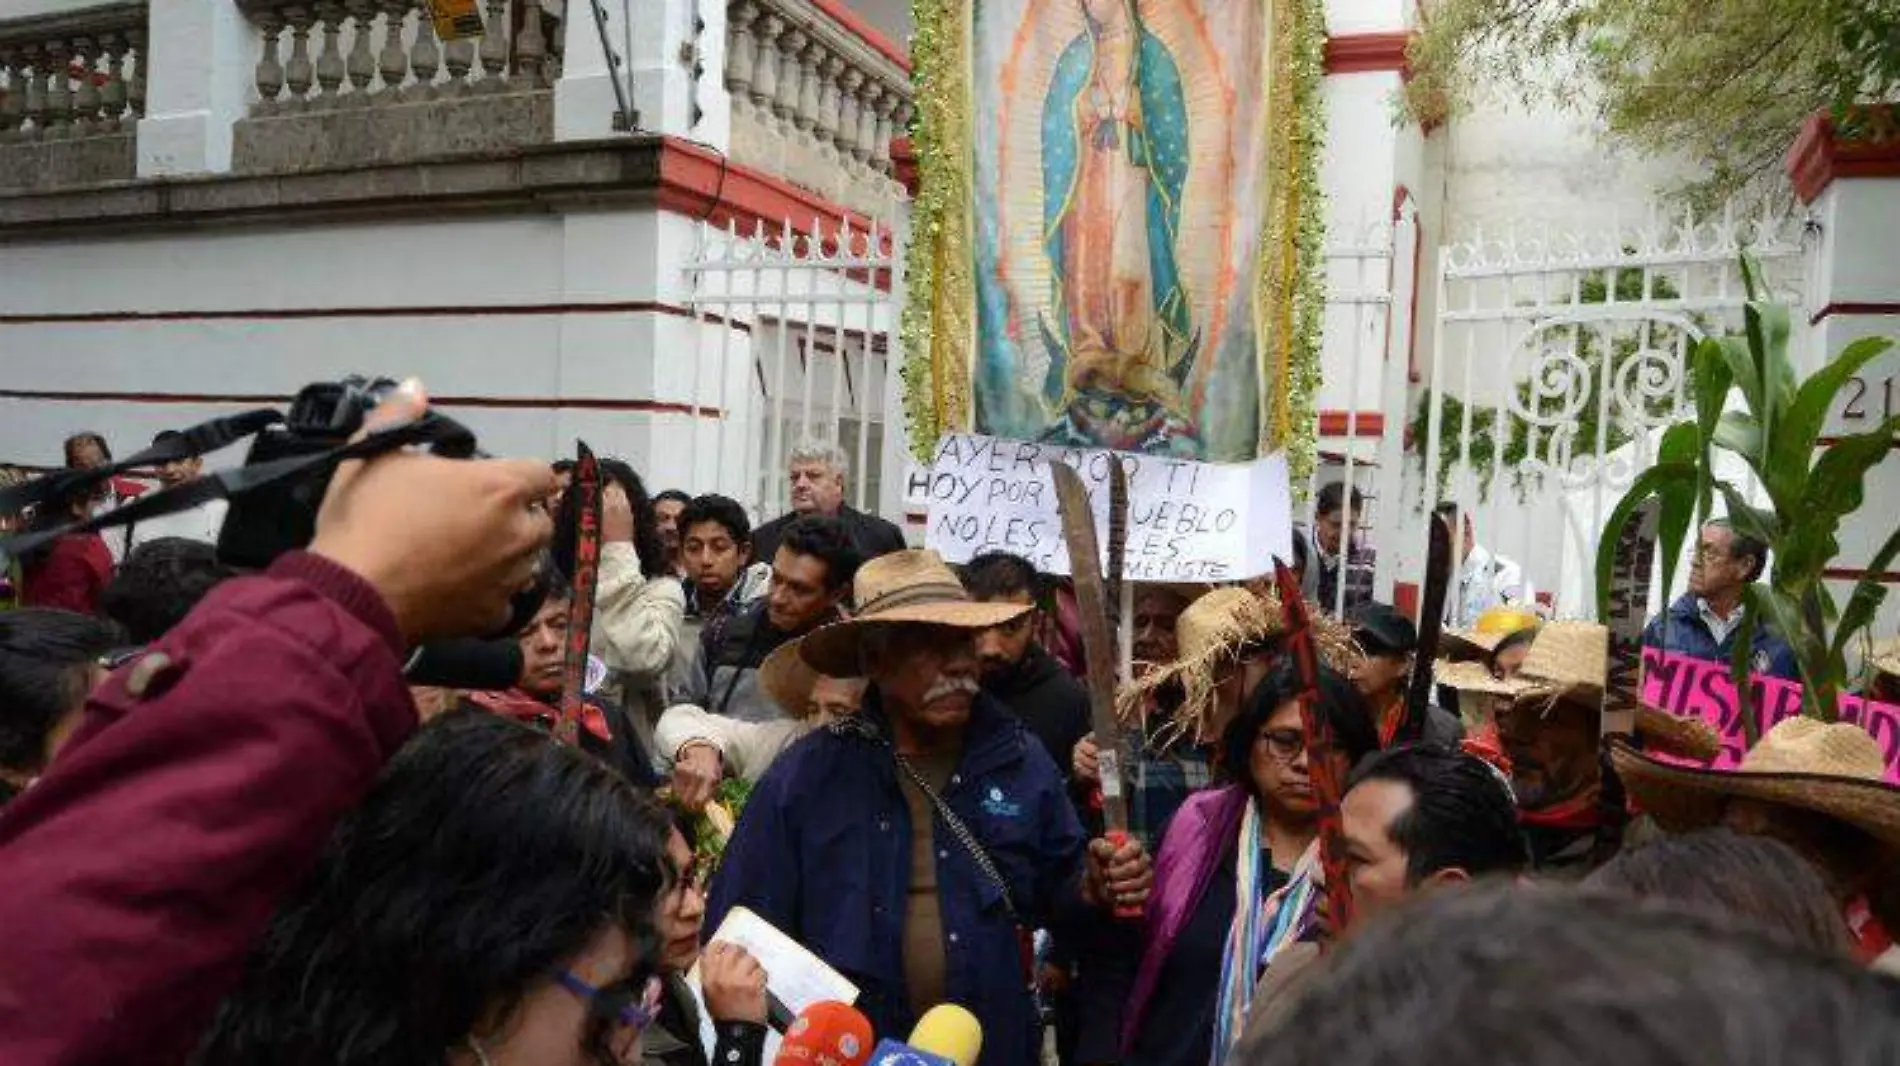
x,y
856,726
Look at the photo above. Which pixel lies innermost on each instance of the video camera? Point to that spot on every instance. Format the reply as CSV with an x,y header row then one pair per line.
x,y
274,497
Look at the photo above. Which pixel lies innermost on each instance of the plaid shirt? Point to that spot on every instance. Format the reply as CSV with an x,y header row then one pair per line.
x,y
1160,782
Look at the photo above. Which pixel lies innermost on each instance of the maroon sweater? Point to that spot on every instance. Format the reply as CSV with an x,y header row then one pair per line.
x,y
135,875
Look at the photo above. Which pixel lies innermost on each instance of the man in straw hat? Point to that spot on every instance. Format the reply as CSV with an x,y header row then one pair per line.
x,y
912,845
705,748
1547,720
1818,787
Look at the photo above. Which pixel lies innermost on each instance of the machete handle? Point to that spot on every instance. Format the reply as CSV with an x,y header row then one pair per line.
x,y
1125,912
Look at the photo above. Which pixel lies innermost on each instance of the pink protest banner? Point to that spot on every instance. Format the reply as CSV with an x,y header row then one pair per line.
x,y
1698,687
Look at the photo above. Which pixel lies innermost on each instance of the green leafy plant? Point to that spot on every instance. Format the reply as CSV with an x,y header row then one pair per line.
x,y
1523,441
1809,496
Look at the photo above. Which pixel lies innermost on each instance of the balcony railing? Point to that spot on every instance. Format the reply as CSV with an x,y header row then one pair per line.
x,y
814,101
72,88
355,82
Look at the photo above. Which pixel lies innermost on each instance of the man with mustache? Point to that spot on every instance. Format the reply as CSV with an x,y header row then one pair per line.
x,y
913,845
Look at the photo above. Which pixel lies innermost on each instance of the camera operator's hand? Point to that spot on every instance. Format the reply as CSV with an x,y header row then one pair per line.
x,y
446,541
616,515
734,984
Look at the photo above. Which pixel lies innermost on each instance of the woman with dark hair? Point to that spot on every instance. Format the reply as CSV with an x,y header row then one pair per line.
x,y
1232,880
639,605
70,571
491,901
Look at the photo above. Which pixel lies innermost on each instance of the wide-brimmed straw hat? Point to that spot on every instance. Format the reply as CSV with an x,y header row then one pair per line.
x,y
1486,633
1571,660
1216,627
1836,769
914,587
786,678
1884,657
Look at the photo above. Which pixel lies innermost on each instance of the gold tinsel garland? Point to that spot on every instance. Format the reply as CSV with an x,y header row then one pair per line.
x,y
936,330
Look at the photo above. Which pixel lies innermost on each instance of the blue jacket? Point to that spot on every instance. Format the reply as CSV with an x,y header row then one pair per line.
x,y
1680,630
822,851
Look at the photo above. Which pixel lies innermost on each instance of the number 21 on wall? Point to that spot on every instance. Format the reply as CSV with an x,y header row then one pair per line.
x,y
1855,410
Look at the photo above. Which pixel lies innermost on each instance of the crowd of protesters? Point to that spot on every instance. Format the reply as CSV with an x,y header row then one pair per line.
x,y
233,833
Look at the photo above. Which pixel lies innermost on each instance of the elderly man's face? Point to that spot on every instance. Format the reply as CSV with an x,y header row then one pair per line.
x,y
1156,611
1553,752
927,676
817,488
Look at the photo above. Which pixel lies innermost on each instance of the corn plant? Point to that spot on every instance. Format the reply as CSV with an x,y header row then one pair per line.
x,y
1809,495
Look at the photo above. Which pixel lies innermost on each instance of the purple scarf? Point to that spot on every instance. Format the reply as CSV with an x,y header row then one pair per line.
x,y
1201,831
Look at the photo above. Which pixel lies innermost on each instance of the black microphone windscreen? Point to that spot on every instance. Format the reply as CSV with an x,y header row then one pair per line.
x,y
470,664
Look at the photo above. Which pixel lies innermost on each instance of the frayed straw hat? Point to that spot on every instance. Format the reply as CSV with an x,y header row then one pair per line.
x,y
913,586
1836,769
1487,632
1213,629
1884,657
1571,660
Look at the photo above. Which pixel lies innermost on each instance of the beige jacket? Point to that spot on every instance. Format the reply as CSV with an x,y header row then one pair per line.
x,y
636,619
748,748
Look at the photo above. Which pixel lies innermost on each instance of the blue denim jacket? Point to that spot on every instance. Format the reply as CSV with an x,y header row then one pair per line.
x,y
822,851
1680,630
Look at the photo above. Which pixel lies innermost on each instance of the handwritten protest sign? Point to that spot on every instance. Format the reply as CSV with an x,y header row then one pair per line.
x,y
1698,687
1187,521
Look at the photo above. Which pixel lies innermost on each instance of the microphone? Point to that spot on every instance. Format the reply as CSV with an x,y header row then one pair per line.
x,y
951,1032
828,1033
481,665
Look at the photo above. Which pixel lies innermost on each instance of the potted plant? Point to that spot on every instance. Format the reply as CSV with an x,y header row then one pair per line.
x,y
1776,433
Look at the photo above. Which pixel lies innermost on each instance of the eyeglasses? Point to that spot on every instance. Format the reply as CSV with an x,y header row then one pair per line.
x,y
622,1014
1284,745
691,879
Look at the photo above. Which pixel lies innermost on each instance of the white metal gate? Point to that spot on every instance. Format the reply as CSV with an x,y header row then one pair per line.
x,y
806,332
1556,361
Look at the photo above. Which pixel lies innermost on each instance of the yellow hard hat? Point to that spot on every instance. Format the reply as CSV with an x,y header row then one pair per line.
x,y
1503,621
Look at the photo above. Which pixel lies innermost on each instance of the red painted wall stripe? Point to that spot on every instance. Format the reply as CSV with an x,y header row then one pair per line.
x,y
1849,309
503,403
1885,577
1337,423
623,307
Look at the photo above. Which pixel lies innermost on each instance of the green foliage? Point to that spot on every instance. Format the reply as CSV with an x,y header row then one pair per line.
x,y
1524,441
1726,84
1809,497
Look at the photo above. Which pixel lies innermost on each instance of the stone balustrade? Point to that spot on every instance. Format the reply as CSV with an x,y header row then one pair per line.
x,y
814,102
72,89
358,82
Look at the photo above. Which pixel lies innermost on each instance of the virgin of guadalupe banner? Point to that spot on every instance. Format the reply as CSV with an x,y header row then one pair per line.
x,y
1117,231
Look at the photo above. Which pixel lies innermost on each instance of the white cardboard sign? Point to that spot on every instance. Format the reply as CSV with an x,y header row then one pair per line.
x,y
1187,521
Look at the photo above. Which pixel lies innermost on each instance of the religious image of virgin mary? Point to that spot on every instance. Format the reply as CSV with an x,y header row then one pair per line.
x,y
1115,143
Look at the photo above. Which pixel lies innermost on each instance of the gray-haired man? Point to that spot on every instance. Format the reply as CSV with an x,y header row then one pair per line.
x,y
817,473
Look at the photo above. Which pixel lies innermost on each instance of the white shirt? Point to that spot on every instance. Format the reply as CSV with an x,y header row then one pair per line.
x,y
200,523
1488,581
1719,628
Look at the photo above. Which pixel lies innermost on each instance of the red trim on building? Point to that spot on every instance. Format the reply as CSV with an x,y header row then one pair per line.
x,y
1819,157
1362,53
505,403
701,183
904,163
1850,309
427,311
854,24
1885,577
1369,424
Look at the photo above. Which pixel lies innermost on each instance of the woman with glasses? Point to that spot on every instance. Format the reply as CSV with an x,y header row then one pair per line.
x,y
491,903
731,982
1230,878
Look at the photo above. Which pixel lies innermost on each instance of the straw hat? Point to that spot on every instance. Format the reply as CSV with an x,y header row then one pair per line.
x,y
785,677
1571,660
1836,769
1487,632
912,586
1215,627
1884,657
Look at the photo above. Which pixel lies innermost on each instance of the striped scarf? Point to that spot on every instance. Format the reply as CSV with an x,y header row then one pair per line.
x,y
1260,929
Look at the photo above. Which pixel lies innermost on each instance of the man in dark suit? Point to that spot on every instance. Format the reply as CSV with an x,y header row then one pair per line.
x,y
817,473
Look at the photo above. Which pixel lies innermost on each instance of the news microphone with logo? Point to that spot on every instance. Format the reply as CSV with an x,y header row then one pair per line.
x,y
947,1035
828,1033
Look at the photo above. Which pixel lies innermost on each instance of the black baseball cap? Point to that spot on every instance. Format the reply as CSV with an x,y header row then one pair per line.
x,y
1381,630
